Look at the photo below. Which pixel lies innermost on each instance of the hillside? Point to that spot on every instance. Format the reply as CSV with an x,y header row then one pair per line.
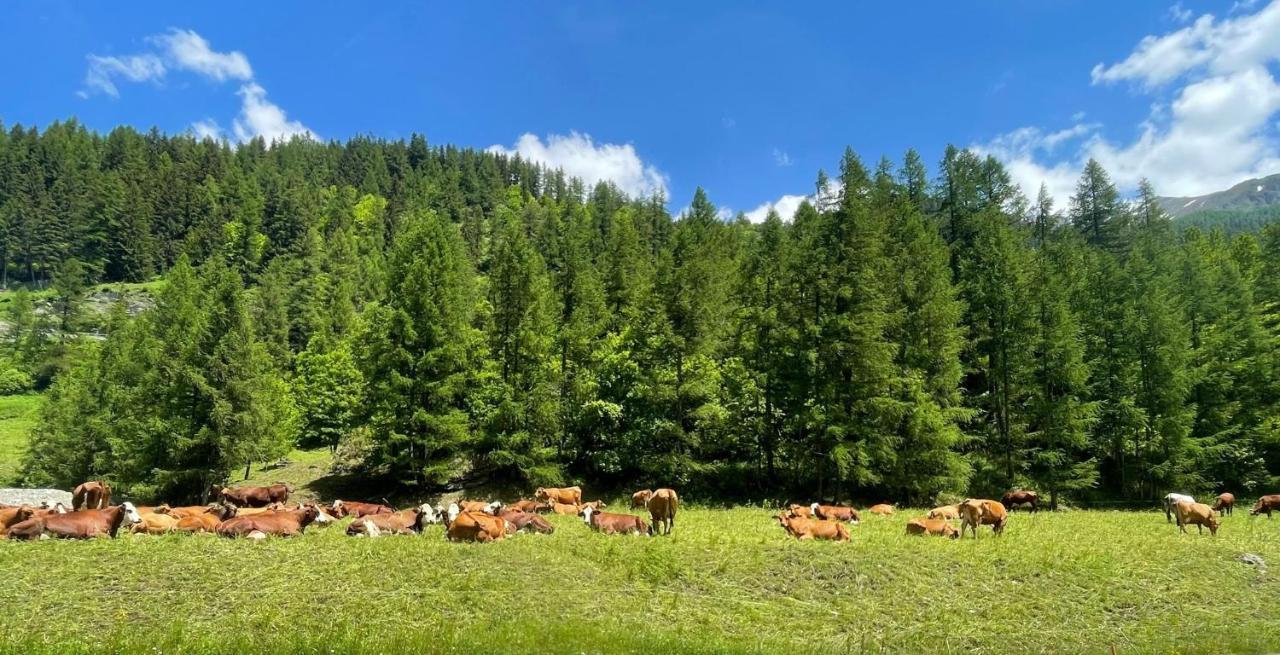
x,y
1247,195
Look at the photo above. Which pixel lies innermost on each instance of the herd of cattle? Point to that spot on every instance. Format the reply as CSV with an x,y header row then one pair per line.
x,y
259,512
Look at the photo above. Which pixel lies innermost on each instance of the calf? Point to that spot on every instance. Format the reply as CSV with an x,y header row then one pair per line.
x,y
527,521
807,529
1197,514
976,512
255,496
609,523
882,509
1265,505
476,526
946,512
1173,499
833,513
341,508
281,523
566,495
1012,499
1225,503
94,494
935,527
662,505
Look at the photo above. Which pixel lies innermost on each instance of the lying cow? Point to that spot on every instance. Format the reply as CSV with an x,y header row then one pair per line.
x,y
976,512
945,512
833,513
1017,497
883,509
526,521
409,521
84,524
935,527
1197,514
12,515
531,506
806,529
255,496
610,523
155,523
1173,499
280,523
476,526
801,511
662,505
1225,503
480,506
341,508
566,495
207,520
94,494
1266,505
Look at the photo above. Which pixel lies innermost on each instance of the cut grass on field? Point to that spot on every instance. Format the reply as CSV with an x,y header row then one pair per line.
x,y
18,414
726,581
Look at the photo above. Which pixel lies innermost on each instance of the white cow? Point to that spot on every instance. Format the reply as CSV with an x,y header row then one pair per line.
x,y
1170,500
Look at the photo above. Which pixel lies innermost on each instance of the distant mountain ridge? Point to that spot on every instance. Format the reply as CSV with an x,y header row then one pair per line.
x,y
1248,195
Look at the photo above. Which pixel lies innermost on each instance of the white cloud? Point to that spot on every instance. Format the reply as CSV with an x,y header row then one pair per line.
x,y
190,51
786,207
1211,123
781,158
1178,13
578,156
261,117
133,68
185,50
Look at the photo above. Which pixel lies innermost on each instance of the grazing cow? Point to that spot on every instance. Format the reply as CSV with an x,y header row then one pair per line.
x,y
341,508
527,521
566,495
407,521
282,523
1266,505
976,512
1225,503
947,512
255,496
476,526
882,509
662,510
807,529
1173,499
935,527
207,520
609,523
532,506
1197,514
84,524
802,511
1013,499
641,498
94,494
833,513
153,523
10,515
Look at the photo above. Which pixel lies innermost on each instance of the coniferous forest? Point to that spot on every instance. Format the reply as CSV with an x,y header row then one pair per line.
x,y
443,317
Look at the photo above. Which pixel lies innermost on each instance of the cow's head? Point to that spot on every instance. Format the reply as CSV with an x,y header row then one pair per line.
x,y
813,509
131,513
586,512
426,516
541,494
492,508
338,509
24,512
452,513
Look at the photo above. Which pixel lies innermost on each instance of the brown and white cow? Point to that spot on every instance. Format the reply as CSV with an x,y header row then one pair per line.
x,y
833,513
1266,505
476,526
84,524
280,523
662,510
357,509
807,529
976,512
95,494
610,523
255,496
1017,497
946,512
1197,514
566,495
802,511
1225,503
935,527
407,521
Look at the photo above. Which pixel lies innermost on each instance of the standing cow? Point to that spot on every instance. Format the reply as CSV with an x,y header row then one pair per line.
x,y
565,495
95,494
1171,500
1016,497
1225,503
1197,514
662,510
976,512
1265,505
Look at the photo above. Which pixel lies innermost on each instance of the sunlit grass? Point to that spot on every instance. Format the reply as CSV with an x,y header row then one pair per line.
x,y
18,414
727,581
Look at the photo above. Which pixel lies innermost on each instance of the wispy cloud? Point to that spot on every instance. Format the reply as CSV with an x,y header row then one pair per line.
x,y
103,71
1179,14
781,158
579,156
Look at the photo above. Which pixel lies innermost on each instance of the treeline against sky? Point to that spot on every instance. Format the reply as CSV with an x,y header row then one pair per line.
x,y
443,317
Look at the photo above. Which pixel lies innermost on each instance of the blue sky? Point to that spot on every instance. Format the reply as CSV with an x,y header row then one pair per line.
x,y
745,99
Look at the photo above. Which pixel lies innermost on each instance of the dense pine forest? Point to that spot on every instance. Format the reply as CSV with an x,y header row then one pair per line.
x,y
443,317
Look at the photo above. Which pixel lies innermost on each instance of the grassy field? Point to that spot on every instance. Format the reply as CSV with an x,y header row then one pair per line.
x,y
727,581
17,415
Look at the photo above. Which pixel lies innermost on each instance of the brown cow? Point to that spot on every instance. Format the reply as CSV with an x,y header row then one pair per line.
x,y
947,512
1197,514
1226,503
256,511
806,529
527,521
207,520
662,510
976,512
12,515
532,506
480,506
802,511
255,496
882,509
84,524
566,495
834,513
94,494
282,523
407,521
476,526
609,523
341,508
936,527
1016,497
1265,505
641,498
153,523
